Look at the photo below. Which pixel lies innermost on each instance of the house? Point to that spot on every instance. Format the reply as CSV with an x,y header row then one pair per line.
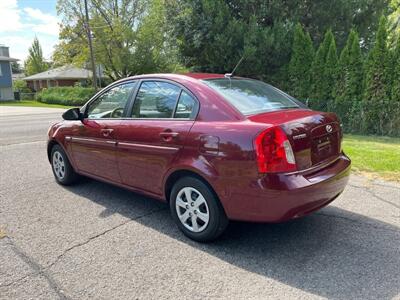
x,y
18,76
6,88
62,76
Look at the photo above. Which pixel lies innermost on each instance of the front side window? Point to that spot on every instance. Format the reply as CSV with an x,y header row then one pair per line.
x,y
155,100
251,96
112,103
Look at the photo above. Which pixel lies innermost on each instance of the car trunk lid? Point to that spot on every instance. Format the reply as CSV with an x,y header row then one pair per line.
x,y
315,136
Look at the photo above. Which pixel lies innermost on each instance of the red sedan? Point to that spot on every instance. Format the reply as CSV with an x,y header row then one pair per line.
x,y
215,147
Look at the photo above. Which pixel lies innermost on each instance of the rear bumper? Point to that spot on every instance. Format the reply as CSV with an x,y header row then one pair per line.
x,y
281,197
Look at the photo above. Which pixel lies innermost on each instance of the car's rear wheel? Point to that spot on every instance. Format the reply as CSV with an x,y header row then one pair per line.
x,y
196,210
62,168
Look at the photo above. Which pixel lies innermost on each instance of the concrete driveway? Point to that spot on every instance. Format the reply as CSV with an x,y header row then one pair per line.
x,y
94,240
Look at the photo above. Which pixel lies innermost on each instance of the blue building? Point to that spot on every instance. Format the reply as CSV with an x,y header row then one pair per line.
x,y
6,89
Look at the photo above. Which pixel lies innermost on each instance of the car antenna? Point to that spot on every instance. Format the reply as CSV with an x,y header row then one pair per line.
x,y
229,75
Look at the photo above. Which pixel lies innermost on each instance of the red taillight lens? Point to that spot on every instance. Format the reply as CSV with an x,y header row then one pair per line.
x,y
274,153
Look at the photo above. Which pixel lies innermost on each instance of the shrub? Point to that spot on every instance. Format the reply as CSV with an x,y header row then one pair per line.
x,y
27,96
72,96
20,86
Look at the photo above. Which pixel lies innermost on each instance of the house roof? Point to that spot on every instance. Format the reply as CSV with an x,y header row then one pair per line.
x,y
65,72
6,58
17,76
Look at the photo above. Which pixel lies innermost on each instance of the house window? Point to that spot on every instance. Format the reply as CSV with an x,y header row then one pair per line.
x,y
1,74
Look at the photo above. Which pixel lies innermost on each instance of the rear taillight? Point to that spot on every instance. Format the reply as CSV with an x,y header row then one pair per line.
x,y
274,153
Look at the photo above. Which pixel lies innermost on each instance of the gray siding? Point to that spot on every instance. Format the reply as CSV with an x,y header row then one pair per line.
x,y
6,94
5,78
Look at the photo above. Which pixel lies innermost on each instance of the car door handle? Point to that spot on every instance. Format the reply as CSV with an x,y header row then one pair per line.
x,y
168,135
106,132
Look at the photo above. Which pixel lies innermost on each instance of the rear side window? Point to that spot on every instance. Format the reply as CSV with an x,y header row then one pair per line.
x,y
186,107
251,96
155,99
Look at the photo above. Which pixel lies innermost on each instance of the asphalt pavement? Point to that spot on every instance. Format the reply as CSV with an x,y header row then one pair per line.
x,y
94,240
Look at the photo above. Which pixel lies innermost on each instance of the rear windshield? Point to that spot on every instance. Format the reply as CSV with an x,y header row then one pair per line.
x,y
251,96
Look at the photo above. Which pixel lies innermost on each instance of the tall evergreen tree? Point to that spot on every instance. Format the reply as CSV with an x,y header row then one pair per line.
x,y
394,21
394,122
321,91
376,83
300,64
330,74
343,67
349,86
395,82
35,62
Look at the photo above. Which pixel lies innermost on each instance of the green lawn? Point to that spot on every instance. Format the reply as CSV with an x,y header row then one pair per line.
x,y
31,103
374,155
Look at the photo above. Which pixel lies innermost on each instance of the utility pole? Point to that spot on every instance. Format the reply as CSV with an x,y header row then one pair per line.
x,y
89,35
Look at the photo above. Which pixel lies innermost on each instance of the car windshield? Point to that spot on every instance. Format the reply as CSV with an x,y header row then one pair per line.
x,y
251,96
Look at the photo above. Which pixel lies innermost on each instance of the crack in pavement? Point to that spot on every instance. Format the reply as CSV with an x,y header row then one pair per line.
x,y
18,280
101,234
43,271
356,221
390,186
37,268
372,193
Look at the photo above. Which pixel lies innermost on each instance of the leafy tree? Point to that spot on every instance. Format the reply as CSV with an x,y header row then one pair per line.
x,y
35,62
73,46
300,63
15,67
376,82
155,51
349,85
20,86
128,36
211,39
325,61
315,16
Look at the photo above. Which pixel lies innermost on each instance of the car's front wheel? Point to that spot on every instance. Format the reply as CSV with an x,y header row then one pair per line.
x,y
197,210
62,168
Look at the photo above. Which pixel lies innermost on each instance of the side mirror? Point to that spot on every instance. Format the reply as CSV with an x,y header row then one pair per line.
x,y
72,114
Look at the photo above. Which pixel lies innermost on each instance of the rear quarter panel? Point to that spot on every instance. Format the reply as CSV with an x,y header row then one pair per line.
x,y
222,153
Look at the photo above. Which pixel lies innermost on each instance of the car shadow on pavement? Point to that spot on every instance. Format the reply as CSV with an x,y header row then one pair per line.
x,y
333,253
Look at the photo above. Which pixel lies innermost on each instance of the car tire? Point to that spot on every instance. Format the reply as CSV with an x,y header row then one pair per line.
x,y
201,217
62,169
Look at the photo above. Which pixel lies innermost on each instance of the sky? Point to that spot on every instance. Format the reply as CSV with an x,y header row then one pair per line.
x,y
22,20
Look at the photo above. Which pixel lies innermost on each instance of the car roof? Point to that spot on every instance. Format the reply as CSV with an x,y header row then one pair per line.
x,y
203,75
196,76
